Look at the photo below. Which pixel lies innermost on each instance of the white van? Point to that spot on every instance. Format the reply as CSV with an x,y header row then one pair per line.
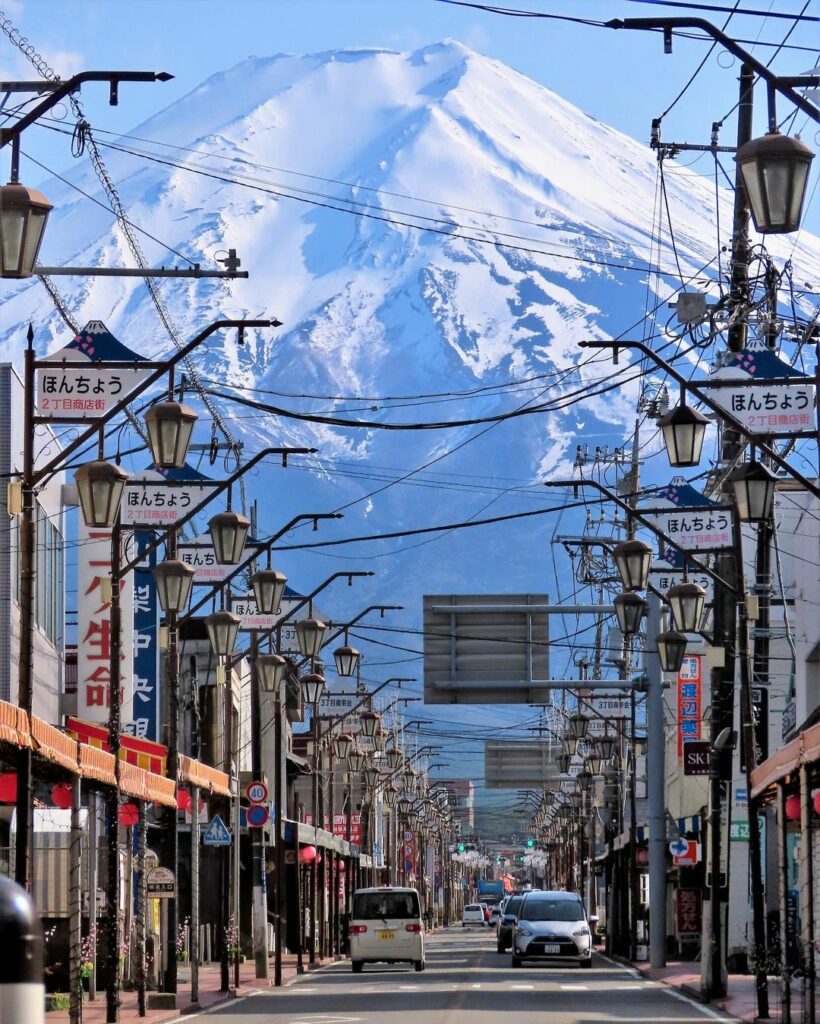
x,y
386,927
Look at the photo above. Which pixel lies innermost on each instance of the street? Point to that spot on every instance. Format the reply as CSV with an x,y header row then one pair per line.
x,y
468,982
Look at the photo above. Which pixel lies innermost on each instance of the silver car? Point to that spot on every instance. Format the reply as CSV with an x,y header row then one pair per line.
x,y
552,926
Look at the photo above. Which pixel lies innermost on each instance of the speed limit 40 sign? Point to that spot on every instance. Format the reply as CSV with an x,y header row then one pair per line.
x,y
257,792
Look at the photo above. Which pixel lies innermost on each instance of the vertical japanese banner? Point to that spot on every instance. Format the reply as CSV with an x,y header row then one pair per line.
x,y
689,701
145,723
94,630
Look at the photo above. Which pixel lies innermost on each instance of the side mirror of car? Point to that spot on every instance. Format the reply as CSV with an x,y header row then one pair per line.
x,y
594,919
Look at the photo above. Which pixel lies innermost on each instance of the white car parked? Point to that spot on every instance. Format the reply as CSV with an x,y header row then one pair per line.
x,y
386,927
473,913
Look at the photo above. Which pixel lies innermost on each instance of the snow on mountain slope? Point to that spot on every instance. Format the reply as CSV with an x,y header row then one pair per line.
x,y
450,142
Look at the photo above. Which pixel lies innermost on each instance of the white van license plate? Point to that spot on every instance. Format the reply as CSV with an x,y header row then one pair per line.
x,y
552,947
390,935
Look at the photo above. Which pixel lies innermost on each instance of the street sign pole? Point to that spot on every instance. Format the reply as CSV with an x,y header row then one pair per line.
x,y
656,781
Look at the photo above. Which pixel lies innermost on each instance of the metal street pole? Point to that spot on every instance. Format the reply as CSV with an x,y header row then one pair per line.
x,y
171,837
112,928
656,787
260,895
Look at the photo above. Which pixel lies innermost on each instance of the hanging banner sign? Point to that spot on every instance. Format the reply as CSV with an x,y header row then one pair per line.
x,y
331,705
782,403
690,519
613,706
150,500
94,629
688,914
200,555
145,724
250,618
689,701
668,572
78,382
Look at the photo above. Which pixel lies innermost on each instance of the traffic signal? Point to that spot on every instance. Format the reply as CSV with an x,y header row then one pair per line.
x,y
461,847
530,843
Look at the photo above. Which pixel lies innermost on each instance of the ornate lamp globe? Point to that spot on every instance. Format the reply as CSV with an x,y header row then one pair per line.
x,y
389,796
370,776
577,726
629,610
23,215
229,531
684,429
606,746
775,171
370,721
309,636
347,660
270,670
413,818
409,780
342,745
671,650
394,758
174,580
170,425
100,485
405,804
355,760
753,484
313,686
686,601
562,761
222,629
268,590
633,559
380,738
594,763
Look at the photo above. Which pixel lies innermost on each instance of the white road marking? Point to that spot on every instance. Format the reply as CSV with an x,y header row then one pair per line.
x,y
706,1010
575,988
523,987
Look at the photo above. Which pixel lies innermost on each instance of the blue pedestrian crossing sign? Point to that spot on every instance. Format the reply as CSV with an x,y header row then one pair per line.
x,y
216,834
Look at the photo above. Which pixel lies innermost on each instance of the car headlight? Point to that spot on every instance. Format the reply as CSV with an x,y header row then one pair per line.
x,y
523,929
580,931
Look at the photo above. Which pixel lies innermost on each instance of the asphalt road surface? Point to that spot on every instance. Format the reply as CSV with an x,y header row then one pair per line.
x,y
466,982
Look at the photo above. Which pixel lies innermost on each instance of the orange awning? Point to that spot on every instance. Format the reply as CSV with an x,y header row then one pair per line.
x,y
53,744
14,727
160,790
198,774
97,764
803,749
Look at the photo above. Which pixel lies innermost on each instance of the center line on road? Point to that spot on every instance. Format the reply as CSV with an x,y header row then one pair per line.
x,y
522,986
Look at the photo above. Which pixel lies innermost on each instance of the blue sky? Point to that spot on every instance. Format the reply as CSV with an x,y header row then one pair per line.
x,y
622,78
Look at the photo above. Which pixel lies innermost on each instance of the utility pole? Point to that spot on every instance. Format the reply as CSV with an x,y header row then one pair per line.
x,y
713,962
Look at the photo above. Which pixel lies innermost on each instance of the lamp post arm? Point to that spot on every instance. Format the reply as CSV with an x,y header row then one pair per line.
x,y
91,432
307,516
774,82
71,85
343,627
221,486
758,442
644,522
366,698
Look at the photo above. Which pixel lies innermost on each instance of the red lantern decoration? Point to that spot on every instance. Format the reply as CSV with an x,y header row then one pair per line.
x,y
61,795
793,808
184,801
129,814
307,854
816,802
8,787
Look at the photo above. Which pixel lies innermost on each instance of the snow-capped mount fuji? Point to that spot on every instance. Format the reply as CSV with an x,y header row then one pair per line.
x,y
422,222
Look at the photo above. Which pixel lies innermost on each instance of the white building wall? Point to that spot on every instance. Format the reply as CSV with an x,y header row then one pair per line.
x,y
48,643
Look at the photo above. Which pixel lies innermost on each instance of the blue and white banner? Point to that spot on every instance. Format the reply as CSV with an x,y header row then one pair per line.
x,y
146,646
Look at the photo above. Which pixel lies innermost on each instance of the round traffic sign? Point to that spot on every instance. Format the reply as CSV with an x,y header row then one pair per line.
x,y
257,815
678,847
257,792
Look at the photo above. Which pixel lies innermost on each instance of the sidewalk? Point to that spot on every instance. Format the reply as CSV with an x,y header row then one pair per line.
x,y
209,994
740,1001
